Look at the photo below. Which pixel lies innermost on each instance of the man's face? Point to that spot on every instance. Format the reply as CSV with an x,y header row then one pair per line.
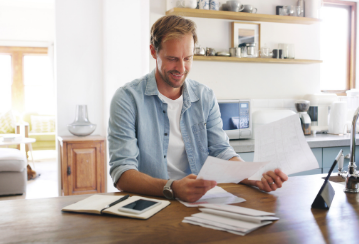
x,y
174,61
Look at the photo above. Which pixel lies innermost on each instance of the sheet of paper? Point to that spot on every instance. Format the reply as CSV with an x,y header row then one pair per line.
x,y
216,195
232,222
238,210
214,225
211,225
283,144
242,217
224,171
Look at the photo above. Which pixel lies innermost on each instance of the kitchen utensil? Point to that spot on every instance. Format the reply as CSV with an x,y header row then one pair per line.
x,y
224,54
210,51
265,52
300,9
318,111
204,4
292,10
302,107
338,118
233,51
214,5
251,50
238,52
234,6
283,11
291,51
199,51
249,9
190,3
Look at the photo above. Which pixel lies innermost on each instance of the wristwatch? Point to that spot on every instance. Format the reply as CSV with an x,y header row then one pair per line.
x,y
167,190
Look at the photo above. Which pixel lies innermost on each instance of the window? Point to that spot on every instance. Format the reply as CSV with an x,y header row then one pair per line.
x,y
338,46
26,80
5,82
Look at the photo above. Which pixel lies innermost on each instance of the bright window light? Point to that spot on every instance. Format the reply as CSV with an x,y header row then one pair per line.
x,y
39,85
5,82
334,47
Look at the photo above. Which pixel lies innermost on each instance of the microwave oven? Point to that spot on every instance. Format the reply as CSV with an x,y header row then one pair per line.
x,y
236,118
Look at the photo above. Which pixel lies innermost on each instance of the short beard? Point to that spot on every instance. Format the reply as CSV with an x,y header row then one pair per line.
x,y
167,79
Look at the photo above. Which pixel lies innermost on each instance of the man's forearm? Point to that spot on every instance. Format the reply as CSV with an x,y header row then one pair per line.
x,y
140,183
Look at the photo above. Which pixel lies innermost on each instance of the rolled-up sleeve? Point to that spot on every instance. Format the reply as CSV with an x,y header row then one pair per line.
x,y
218,141
123,149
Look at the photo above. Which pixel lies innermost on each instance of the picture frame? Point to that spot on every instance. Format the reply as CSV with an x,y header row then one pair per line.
x,y
245,32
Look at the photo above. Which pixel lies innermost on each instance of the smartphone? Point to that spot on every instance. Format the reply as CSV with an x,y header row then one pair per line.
x,y
139,206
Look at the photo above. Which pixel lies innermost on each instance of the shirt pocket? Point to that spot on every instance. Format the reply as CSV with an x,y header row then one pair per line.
x,y
200,134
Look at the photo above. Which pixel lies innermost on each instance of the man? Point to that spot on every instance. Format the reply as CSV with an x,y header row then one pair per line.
x,y
163,126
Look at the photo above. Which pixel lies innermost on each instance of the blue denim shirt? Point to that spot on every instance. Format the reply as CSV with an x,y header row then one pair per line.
x,y
138,132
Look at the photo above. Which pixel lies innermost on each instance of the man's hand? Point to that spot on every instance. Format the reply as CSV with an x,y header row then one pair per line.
x,y
190,189
270,181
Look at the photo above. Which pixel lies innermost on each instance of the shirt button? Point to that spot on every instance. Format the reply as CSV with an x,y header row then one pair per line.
x,y
165,156
165,134
164,111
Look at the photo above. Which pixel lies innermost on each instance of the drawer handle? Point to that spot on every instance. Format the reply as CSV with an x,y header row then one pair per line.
x,y
68,170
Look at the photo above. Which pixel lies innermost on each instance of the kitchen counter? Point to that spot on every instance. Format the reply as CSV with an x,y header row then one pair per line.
x,y
314,141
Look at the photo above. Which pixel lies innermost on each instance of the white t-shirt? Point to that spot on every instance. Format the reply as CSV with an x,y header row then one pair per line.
x,y
177,162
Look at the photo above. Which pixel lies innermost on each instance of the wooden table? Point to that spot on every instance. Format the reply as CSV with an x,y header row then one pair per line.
x,y
41,220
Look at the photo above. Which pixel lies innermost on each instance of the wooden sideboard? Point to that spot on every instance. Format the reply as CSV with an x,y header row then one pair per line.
x,y
42,221
82,164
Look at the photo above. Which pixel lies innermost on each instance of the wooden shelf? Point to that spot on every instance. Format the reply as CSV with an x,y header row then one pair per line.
x,y
256,60
241,16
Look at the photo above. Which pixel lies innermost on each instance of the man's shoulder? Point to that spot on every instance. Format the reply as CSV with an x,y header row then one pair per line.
x,y
136,86
197,85
198,88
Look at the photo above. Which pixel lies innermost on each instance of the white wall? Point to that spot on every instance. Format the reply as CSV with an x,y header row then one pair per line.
x,y
247,80
26,23
126,41
100,46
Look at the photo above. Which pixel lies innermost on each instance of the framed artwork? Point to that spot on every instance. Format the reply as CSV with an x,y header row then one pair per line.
x,y
245,32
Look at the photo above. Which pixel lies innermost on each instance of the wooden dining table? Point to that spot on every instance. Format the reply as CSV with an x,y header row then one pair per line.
x,y
42,221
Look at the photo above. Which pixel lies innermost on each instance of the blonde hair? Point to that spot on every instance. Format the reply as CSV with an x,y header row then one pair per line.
x,y
171,27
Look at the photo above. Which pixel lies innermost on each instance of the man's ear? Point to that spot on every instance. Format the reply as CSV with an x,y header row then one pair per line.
x,y
153,51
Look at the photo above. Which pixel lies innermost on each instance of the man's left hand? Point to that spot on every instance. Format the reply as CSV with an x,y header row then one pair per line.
x,y
271,181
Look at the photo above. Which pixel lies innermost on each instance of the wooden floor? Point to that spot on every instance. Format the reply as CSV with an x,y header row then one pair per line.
x,y
44,186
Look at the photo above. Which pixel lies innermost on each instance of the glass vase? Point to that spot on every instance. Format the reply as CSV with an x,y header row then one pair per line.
x,y
81,126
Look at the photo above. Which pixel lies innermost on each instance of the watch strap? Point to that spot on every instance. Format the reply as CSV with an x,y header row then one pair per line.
x,y
168,186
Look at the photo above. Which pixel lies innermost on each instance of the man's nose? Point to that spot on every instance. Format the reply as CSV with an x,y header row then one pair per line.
x,y
181,66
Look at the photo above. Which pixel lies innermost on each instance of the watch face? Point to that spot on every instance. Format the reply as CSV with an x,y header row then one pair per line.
x,y
168,193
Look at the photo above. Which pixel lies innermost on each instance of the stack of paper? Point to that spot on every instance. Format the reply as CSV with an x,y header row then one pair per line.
x,y
233,219
216,195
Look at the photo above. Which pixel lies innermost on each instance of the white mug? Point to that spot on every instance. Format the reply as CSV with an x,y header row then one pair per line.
x,y
214,5
204,4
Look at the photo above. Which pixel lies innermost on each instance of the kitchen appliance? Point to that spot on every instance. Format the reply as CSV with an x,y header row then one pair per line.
x,y
263,117
338,118
319,110
302,107
236,118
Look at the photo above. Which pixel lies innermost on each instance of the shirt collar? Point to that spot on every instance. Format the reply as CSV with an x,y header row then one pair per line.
x,y
187,92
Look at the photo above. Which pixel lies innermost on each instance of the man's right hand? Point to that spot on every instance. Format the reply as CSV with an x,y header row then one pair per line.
x,y
190,189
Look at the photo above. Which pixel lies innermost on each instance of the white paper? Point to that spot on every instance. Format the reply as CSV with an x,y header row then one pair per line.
x,y
209,224
224,171
247,226
216,195
242,217
238,210
283,144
